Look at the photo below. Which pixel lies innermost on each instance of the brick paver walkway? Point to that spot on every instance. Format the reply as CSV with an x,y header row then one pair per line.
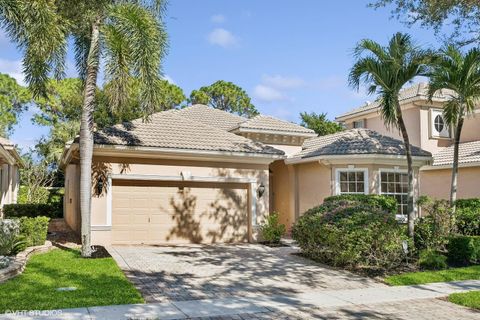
x,y
180,273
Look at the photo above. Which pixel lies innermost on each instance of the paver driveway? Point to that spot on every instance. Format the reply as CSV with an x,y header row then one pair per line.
x,y
208,272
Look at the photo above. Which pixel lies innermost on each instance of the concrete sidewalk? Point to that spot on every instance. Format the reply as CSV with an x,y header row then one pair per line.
x,y
260,304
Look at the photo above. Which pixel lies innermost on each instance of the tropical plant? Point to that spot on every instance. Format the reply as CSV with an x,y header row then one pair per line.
x,y
272,229
460,74
35,177
319,123
462,16
129,35
385,70
13,101
225,96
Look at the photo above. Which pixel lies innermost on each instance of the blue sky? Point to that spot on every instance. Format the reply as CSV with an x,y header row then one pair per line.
x,y
290,56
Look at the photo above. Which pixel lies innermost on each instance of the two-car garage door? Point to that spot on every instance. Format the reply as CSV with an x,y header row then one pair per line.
x,y
148,212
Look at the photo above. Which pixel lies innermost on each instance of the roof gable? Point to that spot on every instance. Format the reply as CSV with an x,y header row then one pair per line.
x,y
172,130
355,142
418,91
264,123
210,116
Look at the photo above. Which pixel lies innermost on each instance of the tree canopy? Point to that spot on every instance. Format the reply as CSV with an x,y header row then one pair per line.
x,y
463,15
13,101
61,109
319,123
225,96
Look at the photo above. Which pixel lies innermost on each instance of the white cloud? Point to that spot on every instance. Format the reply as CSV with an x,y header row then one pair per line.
x,y
222,38
283,82
218,18
268,94
14,69
168,78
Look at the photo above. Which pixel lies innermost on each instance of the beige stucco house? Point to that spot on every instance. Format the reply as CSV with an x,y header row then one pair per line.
x,y
10,162
427,130
203,175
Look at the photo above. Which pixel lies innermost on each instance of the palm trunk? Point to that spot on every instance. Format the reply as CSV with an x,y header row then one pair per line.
x,y
86,139
408,152
453,190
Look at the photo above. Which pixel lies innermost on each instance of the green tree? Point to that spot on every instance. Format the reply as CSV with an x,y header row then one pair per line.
x,y
459,73
225,96
13,101
385,70
463,15
130,37
171,96
319,123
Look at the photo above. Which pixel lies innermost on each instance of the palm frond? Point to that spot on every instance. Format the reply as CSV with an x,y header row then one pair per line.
x,y
147,45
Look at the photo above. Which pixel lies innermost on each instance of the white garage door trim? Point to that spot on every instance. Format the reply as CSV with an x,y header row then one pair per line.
x,y
252,198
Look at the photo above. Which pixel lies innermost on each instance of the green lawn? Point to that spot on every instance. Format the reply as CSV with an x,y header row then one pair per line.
x,y
454,274
98,282
468,299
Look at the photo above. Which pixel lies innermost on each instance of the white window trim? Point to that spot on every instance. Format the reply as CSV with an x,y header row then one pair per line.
x,y
365,178
390,170
430,125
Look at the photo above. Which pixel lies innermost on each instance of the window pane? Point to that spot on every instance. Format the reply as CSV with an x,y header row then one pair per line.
x,y
391,177
391,187
383,177
404,178
360,187
384,187
343,176
351,187
360,176
343,187
351,176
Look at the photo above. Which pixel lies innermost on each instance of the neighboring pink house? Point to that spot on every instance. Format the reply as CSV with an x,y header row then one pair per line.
x,y
427,130
10,162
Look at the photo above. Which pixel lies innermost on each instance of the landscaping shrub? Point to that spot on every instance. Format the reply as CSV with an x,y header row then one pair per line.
x,y
272,230
432,260
467,216
9,231
54,210
464,250
433,229
34,230
352,232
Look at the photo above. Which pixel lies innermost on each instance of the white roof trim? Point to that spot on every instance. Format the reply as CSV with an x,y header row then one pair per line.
x,y
449,166
173,153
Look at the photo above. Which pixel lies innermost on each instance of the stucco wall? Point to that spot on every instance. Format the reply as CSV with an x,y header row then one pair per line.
x,y
101,233
299,187
436,183
471,131
374,121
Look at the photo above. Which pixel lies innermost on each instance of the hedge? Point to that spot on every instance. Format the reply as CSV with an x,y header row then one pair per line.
x,y
467,216
382,202
353,232
54,210
463,250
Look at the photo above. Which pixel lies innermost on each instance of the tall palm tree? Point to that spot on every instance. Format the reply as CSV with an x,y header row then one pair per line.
x,y
385,70
460,74
128,35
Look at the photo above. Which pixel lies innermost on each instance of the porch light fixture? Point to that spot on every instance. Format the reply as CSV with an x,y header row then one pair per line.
x,y
261,190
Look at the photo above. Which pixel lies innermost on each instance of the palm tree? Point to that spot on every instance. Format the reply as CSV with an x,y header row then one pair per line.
x,y
129,36
460,74
385,70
